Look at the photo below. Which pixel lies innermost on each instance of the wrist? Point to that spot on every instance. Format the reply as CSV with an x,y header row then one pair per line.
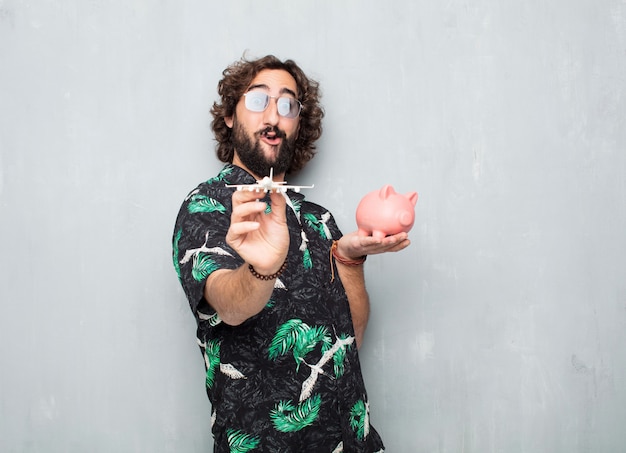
x,y
267,277
334,253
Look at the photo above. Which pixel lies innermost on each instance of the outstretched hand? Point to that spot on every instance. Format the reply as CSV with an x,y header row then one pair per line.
x,y
260,238
353,246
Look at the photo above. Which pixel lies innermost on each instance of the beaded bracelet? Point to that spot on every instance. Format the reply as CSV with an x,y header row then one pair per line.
x,y
268,277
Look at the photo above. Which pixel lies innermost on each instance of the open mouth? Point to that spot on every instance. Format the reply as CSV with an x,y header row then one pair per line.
x,y
272,136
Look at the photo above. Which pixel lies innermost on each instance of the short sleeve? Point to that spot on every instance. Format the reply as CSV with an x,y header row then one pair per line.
x,y
198,246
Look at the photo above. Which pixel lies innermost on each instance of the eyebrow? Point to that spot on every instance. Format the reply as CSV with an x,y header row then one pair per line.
x,y
265,87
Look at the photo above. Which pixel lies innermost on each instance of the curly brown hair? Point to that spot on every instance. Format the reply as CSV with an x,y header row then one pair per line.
x,y
237,78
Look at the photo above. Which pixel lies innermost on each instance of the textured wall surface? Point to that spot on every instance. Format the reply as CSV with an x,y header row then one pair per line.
x,y
501,329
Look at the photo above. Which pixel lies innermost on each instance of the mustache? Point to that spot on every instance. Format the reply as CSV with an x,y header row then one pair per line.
x,y
273,130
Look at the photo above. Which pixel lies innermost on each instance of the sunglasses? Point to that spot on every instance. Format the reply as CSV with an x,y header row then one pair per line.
x,y
258,101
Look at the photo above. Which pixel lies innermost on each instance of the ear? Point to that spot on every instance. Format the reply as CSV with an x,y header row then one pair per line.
x,y
412,196
229,121
386,191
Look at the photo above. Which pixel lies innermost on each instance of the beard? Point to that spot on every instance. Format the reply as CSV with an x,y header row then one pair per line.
x,y
252,155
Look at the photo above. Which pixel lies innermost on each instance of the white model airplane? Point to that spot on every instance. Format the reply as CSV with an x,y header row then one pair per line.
x,y
267,184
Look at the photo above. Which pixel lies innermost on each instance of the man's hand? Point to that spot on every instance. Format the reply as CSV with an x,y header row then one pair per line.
x,y
260,238
352,246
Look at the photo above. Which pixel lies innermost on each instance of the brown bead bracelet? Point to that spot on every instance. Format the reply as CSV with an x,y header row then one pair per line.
x,y
268,277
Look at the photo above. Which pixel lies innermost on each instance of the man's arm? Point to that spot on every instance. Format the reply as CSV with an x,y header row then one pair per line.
x,y
353,279
351,247
262,240
236,294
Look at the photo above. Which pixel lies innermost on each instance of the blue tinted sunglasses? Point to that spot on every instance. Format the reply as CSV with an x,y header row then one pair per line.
x,y
258,101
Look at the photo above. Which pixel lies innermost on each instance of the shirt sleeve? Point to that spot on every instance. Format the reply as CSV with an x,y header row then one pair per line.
x,y
199,245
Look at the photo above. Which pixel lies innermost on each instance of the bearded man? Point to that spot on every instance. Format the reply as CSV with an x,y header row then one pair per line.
x,y
278,292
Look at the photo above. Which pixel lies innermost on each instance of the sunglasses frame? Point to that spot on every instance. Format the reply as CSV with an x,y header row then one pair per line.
x,y
267,103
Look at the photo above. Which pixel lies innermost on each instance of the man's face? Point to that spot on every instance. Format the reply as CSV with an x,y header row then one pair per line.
x,y
265,139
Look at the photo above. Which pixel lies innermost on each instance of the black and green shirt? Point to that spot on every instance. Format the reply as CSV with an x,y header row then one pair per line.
x,y
288,379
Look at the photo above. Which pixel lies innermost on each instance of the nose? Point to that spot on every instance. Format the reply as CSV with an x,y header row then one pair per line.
x,y
270,114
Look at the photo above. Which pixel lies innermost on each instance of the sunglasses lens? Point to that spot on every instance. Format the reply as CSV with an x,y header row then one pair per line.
x,y
285,107
256,101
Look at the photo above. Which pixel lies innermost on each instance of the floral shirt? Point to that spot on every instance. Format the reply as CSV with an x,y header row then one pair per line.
x,y
287,379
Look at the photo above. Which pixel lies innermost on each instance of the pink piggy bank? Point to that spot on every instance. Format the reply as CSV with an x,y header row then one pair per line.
x,y
384,212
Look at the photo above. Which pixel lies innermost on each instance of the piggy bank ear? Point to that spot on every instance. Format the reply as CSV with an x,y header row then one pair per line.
x,y
412,196
386,191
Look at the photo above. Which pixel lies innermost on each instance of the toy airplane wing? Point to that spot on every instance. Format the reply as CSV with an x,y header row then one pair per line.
x,y
267,184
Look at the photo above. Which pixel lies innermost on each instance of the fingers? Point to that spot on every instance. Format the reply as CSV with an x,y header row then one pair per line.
x,y
386,246
256,230
245,198
279,204
247,209
394,243
241,228
357,245
399,246
244,217
387,241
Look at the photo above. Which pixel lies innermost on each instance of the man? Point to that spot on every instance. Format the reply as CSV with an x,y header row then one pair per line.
x,y
277,291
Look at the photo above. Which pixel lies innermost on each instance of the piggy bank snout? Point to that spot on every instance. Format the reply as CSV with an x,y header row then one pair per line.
x,y
406,218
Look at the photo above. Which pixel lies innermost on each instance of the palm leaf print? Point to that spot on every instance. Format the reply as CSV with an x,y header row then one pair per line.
x,y
327,343
316,369
319,225
307,341
212,361
202,203
288,418
306,259
177,237
213,319
226,171
240,442
202,266
285,337
359,420
338,359
314,223
296,205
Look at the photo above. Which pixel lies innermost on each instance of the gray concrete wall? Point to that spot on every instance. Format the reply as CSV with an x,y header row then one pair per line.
x,y
501,329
